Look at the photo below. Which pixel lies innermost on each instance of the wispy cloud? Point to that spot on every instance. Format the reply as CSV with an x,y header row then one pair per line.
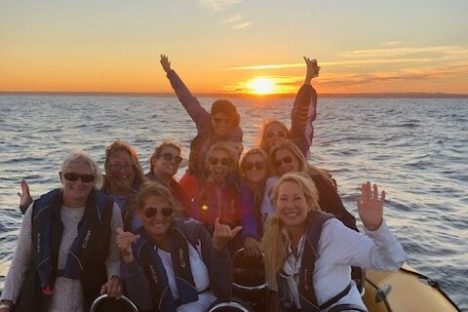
x,y
218,5
399,51
237,22
406,74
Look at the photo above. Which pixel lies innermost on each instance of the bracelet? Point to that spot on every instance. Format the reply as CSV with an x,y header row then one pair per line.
x,y
5,305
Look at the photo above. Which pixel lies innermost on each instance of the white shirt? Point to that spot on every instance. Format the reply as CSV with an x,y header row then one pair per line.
x,y
340,248
201,279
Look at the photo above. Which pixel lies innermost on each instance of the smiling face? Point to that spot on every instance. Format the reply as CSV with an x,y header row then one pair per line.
x,y
291,204
222,123
120,172
285,161
255,168
75,190
219,165
157,224
166,163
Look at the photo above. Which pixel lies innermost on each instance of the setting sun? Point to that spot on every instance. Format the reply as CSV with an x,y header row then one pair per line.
x,y
261,85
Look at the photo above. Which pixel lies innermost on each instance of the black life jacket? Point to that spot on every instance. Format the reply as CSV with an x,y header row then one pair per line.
x,y
89,251
147,256
307,297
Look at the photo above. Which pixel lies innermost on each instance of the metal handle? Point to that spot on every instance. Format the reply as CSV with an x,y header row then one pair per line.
x,y
101,298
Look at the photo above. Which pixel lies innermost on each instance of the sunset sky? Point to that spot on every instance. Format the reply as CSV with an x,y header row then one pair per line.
x,y
362,46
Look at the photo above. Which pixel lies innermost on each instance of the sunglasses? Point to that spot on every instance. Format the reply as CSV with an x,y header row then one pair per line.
x,y
170,157
73,176
257,165
271,134
165,211
118,167
284,160
218,120
223,161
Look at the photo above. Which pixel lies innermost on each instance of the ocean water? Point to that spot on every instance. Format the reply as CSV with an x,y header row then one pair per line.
x,y
415,149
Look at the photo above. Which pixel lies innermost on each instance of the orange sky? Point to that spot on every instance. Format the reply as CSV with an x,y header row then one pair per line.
x,y
221,45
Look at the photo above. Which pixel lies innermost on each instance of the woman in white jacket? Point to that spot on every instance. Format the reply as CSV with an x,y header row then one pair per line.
x,y
309,254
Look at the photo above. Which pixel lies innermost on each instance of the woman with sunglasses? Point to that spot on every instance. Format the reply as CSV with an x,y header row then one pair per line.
x,y
286,157
124,176
302,115
309,254
66,253
164,163
219,193
173,264
254,171
221,124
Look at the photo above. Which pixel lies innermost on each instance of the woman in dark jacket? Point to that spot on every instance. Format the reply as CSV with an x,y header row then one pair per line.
x,y
66,253
173,264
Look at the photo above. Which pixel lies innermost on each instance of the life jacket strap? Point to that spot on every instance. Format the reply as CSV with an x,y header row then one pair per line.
x,y
336,298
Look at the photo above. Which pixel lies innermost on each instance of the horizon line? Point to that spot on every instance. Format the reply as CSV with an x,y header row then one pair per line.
x,y
220,94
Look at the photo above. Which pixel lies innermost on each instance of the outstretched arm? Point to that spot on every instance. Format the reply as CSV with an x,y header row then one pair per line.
x,y
304,109
198,114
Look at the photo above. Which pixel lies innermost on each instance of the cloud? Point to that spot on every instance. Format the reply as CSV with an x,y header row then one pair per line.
x,y
432,73
402,51
218,5
237,22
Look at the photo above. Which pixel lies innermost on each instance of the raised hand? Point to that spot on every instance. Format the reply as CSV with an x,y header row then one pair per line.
x,y
223,234
25,196
370,206
166,65
313,70
124,242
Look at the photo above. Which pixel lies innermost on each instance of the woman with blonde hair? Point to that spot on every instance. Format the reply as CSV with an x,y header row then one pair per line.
x,y
309,254
286,157
254,172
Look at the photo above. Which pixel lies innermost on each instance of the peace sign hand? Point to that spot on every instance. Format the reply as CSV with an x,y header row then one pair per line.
x,y
223,234
370,207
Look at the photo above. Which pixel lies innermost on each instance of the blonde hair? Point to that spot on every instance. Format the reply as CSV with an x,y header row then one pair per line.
x,y
253,151
275,237
263,130
304,167
228,149
150,188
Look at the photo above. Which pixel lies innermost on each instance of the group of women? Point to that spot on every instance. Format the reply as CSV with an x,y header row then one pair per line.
x,y
168,245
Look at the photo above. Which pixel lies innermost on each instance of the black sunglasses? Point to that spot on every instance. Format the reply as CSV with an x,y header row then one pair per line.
x,y
118,166
223,161
170,157
165,211
225,120
280,134
257,165
73,176
286,160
